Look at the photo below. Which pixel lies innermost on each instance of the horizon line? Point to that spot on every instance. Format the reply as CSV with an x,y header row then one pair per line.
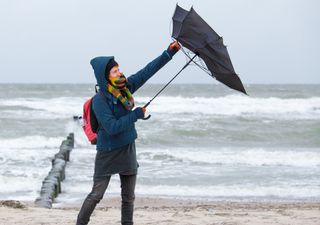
x,y
153,83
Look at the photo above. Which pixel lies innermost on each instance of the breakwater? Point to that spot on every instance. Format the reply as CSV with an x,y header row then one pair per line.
x,y
51,185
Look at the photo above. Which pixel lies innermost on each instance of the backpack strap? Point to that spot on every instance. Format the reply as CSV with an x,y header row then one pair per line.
x,y
106,100
96,88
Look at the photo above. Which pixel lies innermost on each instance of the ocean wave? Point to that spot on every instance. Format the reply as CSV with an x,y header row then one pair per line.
x,y
235,156
30,142
285,191
24,163
61,107
230,105
211,192
235,105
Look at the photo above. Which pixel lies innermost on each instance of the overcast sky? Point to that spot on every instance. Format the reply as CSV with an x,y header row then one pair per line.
x,y
274,41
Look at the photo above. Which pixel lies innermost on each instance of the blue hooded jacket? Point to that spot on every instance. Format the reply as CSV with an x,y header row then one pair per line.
x,y
116,123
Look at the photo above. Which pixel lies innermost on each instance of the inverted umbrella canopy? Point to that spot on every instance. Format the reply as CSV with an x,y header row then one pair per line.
x,y
197,36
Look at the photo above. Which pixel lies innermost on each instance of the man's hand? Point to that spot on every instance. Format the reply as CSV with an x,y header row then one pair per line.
x,y
139,112
173,48
175,45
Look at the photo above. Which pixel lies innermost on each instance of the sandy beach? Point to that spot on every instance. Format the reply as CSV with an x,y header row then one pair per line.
x,y
160,211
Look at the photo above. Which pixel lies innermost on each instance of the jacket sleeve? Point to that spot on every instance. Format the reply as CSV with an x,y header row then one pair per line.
x,y
108,121
136,80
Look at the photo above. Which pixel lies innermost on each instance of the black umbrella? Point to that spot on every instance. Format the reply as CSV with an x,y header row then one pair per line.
x,y
197,36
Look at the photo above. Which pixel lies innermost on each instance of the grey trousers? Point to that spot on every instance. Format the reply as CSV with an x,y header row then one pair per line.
x,y
128,183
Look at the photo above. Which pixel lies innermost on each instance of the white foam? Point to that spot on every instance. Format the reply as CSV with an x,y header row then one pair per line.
x,y
81,141
24,162
23,168
22,187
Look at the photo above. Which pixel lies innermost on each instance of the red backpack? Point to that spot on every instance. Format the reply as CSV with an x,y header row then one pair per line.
x,y
90,123
87,118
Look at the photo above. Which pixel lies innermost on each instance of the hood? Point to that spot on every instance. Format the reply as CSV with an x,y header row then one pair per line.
x,y
99,66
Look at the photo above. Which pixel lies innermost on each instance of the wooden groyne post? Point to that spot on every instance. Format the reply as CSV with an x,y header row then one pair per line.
x,y
51,185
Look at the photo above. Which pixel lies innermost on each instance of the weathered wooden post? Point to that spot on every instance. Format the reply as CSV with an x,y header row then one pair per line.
x,y
51,185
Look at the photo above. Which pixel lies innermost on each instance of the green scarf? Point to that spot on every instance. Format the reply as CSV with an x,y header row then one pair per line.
x,y
118,88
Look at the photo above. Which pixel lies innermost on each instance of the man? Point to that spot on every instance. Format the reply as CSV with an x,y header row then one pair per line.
x,y
116,152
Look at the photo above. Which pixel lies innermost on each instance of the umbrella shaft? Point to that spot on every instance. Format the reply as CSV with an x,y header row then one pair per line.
x,y
146,105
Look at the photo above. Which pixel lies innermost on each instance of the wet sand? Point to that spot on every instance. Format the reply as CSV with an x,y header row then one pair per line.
x,y
162,211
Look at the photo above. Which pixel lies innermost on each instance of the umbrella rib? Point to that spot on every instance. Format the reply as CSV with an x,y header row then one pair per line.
x,y
200,66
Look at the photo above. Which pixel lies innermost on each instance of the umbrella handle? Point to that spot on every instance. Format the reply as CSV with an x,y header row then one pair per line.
x,y
146,118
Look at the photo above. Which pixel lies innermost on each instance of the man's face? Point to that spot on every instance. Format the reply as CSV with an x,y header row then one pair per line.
x,y
115,72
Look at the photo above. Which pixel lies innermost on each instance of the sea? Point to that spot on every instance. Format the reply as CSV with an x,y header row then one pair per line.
x,y
203,141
